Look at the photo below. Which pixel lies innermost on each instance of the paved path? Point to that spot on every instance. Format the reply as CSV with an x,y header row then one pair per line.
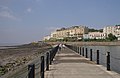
x,y
68,64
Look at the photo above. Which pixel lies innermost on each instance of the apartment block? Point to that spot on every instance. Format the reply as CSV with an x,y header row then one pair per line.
x,y
109,29
115,30
75,31
97,35
94,35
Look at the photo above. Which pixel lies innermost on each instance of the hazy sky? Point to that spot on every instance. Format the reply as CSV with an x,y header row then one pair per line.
x,y
23,21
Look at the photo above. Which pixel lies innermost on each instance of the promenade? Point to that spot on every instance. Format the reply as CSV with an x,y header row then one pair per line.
x,y
69,64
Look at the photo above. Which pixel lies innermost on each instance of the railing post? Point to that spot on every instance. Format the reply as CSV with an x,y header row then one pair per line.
x,y
83,51
47,61
77,49
42,67
108,61
74,47
97,56
80,50
86,53
31,69
50,57
90,54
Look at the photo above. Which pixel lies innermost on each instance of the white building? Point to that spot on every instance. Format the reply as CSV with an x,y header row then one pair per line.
x,y
94,35
46,38
97,35
86,36
109,29
115,30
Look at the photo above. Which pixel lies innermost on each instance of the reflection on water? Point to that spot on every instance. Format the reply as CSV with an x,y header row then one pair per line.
x,y
6,47
114,55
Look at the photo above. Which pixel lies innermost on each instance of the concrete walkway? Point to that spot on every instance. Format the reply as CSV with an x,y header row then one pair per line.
x,y
68,64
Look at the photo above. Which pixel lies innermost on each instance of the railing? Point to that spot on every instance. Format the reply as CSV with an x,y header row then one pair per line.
x,y
37,67
94,56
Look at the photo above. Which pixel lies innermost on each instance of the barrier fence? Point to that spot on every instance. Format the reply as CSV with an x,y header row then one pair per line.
x,y
37,68
94,56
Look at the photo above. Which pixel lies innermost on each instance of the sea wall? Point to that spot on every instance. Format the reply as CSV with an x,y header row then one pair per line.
x,y
88,43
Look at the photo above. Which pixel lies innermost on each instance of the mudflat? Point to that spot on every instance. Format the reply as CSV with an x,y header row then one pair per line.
x,y
13,58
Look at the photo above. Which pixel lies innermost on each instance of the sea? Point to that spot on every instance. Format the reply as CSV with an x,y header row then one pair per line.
x,y
8,45
114,55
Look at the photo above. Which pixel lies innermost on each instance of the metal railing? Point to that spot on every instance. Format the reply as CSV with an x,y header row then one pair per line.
x,y
95,56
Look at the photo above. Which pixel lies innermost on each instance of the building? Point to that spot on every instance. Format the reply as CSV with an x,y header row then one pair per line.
x,y
46,38
115,30
109,29
73,32
86,36
97,35
117,33
94,35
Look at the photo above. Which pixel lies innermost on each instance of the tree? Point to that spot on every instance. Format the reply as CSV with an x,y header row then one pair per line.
x,y
111,37
53,39
95,30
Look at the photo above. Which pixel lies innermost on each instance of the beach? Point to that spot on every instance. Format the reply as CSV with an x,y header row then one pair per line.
x,y
13,58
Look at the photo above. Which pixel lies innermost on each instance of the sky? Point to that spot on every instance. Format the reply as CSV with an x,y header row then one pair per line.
x,y
25,21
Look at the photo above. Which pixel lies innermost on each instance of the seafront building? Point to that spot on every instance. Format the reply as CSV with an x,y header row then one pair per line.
x,y
72,32
94,35
115,30
109,29
82,32
47,38
97,35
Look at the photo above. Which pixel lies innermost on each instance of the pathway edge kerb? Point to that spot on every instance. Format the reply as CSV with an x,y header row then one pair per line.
x,y
112,73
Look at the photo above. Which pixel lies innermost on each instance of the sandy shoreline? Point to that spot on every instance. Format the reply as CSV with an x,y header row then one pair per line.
x,y
12,58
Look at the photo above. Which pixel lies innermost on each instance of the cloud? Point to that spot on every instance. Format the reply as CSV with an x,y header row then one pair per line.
x,y
29,10
6,13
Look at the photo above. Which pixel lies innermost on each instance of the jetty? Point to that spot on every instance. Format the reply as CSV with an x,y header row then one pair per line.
x,y
69,61
69,64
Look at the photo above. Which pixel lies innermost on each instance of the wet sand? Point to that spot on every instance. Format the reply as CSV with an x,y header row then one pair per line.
x,y
13,58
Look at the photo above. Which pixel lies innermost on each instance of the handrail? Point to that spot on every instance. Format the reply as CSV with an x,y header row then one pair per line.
x,y
80,50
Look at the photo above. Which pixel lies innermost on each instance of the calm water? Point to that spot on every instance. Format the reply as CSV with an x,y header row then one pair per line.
x,y
6,47
114,54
